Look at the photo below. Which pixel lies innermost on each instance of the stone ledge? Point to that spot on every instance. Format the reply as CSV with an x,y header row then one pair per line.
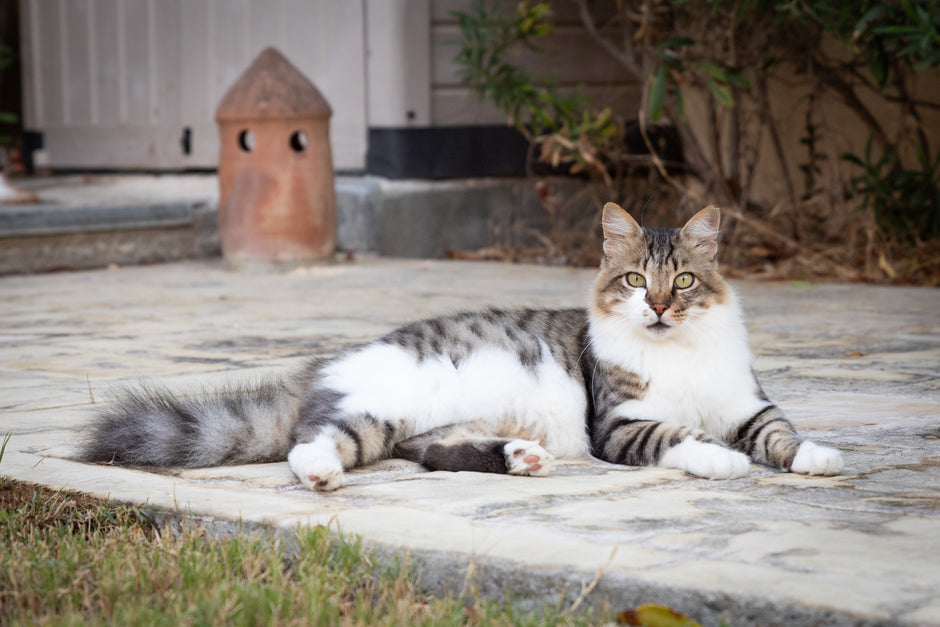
x,y
86,222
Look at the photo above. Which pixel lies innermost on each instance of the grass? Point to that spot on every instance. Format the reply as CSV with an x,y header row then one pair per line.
x,y
68,559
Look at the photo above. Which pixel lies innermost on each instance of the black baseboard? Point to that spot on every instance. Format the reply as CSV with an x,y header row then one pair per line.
x,y
446,152
32,141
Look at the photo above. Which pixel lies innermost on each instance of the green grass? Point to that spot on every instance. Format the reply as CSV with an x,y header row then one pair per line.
x,y
67,559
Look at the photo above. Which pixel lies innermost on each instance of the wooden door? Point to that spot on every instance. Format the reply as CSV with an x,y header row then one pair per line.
x,y
133,84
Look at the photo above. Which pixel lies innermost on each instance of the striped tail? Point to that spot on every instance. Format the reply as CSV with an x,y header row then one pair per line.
x,y
149,425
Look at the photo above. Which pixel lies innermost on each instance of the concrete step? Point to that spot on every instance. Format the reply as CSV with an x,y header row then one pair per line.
x,y
95,221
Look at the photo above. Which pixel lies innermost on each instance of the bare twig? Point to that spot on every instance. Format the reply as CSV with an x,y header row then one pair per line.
x,y
586,590
910,108
654,154
621,55
734,166
769,231
833,79
780,156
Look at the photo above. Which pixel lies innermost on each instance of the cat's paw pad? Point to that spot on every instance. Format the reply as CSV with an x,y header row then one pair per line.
x,y
813,459
527,458
317,466
702,459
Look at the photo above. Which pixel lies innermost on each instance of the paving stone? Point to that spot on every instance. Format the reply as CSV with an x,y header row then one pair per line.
x,y
857,367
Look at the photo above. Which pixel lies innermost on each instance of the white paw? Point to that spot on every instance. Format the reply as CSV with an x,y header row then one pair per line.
x,y
527,458
702,459
317,465
813,459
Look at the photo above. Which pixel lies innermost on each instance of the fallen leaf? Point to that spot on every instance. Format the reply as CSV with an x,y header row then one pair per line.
x,y
650,615
885,266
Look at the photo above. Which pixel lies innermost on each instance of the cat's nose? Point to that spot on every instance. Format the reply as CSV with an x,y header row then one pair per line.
x,y
659,308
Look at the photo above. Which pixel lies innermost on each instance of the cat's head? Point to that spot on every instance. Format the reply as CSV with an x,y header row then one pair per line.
x,y
658,282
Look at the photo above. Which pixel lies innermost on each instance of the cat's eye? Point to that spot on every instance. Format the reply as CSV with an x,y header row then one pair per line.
x,y
684,280
635,280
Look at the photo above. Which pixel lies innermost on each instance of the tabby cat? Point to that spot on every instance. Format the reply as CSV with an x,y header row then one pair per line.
x,y
656,371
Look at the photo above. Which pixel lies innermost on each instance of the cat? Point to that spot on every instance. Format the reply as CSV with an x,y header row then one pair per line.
x,y
656,371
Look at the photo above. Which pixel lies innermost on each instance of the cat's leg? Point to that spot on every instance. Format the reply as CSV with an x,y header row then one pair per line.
x,y
472,447
768,438
324,448
652,443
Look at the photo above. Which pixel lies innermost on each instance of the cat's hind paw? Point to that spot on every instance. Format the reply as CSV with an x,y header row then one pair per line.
x,y
527,458
813,459
703,459
316,465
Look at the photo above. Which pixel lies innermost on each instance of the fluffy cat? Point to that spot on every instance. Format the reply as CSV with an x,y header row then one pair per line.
x,y
656,371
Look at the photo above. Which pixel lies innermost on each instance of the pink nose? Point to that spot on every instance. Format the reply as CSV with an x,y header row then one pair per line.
x,y
659,308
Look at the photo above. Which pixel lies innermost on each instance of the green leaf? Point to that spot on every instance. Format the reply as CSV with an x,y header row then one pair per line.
x,y
850,158
721,93
896,30
658,94
540,10
6,440
909,10
676,42
878,65
715,71
541,30
737,79
8,118
680,104
870,16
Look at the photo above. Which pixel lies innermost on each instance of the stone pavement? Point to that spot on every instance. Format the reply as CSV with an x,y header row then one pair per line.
x,y
855,367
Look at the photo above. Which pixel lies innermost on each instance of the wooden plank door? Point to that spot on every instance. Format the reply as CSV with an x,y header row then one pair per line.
x,y
133,84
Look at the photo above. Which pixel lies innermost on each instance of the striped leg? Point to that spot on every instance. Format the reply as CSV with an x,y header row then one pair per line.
x,y
768,438
323,449
648,442
471,447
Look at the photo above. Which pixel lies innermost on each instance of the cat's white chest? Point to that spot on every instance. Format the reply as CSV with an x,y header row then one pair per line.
x,y
703,382
708,390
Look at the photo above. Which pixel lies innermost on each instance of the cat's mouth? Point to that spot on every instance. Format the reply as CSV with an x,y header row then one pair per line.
x,y
658,328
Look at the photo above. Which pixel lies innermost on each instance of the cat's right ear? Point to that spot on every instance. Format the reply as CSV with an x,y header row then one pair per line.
x,y
619,226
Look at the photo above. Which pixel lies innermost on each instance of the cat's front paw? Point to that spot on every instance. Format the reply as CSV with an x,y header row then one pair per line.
x,y
316,465
813,459
702,459
527,458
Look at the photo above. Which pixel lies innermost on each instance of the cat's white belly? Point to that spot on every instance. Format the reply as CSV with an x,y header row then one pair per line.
x,y
491,384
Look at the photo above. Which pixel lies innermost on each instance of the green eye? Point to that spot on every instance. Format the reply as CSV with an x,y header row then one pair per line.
x,y
635,280
684,280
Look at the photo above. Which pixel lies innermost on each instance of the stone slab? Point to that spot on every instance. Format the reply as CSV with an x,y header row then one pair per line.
x,y
857,367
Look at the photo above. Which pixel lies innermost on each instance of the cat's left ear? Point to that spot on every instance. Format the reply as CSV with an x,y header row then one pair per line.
x,y
702,229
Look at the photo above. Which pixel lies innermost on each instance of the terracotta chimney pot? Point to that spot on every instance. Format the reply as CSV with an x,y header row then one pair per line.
x,y
276,198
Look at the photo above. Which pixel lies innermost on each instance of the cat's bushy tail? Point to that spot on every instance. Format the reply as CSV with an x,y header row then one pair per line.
x,y
147,425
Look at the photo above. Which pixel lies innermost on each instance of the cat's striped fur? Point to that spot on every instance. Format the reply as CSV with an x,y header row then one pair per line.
x,y
657,370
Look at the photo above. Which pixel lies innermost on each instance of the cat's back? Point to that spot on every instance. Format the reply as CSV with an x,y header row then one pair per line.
x,y
523,332
516,369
